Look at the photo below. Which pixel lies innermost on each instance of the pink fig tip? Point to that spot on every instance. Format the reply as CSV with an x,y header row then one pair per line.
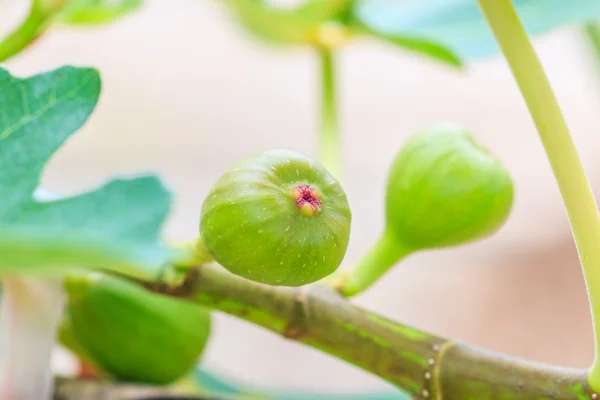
x,y
308,200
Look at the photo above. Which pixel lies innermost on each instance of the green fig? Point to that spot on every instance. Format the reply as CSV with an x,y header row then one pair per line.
x,y
443,190
278,218
134,334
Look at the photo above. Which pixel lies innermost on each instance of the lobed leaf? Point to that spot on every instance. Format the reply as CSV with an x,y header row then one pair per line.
x,y
115,226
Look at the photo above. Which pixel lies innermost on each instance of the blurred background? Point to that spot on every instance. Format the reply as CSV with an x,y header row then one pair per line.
x,y
186,92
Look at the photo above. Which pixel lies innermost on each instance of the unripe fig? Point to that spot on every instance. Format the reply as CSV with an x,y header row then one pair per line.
x,y
132,333
277,218
443,190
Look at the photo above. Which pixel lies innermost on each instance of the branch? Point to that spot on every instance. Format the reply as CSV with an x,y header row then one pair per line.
x,y
424,365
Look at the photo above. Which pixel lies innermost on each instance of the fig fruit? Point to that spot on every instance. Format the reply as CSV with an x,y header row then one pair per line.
x,y
134,334
278,218
443,190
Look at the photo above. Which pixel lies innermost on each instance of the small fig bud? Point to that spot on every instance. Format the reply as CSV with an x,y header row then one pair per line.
x,y
278,218
132,333
444,190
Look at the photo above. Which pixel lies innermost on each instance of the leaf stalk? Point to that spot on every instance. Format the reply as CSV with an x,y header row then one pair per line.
x,y
570,176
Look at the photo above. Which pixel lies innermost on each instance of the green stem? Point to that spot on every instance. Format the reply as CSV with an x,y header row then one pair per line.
x,y
593,33
373,265
577,195
37,22
329,139
424,365
319,317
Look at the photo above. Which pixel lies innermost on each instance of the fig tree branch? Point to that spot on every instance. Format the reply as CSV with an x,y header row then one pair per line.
x,y
422,364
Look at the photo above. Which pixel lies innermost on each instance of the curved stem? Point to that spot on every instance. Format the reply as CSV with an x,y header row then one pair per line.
x,y
373,265
36,23
424,365
329,138
571,178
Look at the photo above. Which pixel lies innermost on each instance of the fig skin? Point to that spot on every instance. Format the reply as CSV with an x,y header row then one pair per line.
x,y
133,334
445,190
278,218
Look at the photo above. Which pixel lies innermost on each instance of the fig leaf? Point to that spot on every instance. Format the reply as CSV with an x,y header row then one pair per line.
x,y
113,227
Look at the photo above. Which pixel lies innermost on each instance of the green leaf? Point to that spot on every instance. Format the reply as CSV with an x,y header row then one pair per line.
x,y
460,25
79,12
296,26
115,226
302,26
418,44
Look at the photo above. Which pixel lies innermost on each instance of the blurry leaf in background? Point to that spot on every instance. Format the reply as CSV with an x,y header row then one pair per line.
x,y
460,25
417,43
298,26
209,382
319,22
96,11
115,226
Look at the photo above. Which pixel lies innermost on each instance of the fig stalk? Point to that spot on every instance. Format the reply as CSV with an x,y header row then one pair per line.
x,y
570,176
379,258
329,138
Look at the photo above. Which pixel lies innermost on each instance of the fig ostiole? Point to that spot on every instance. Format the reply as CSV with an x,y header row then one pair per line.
x,y
443,190
133,334
278,218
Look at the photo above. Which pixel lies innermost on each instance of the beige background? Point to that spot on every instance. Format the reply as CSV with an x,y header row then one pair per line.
x,y
186,93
